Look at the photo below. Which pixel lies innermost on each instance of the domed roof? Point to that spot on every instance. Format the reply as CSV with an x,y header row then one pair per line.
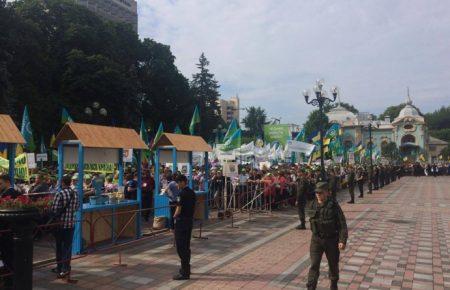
x,y
340,114
409,111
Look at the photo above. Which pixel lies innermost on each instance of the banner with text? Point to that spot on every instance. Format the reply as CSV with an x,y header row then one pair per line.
x,y
277,133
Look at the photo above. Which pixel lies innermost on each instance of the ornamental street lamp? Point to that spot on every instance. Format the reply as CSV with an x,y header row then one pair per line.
x,y
95,112
321,100
377,124
219,131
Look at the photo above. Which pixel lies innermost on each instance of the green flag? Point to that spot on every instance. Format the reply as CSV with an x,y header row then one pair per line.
x,y
178,130
301,136
65,117
195,120
159,133
143,132
231,130
27,131
233,142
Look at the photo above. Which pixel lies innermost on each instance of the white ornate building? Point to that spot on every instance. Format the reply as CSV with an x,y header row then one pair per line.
x,y
408,130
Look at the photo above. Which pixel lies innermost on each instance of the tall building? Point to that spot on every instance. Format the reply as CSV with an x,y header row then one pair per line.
x,y
229,109
114,10
408,131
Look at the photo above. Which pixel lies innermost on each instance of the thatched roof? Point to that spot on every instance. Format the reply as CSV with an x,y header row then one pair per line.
x,y
184,142
95,136
9,133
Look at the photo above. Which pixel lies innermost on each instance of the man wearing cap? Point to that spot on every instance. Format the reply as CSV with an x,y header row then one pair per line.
x,y
329,235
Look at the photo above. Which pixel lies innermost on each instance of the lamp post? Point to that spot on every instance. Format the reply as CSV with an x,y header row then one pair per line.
x,y
370,151
219,131
321,100
95,111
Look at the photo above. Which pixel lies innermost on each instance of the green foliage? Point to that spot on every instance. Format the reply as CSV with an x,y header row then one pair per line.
x,y
205,91
443,134
255,120
446,153
56,54
439,119
313,121
390,151
393,111
348,106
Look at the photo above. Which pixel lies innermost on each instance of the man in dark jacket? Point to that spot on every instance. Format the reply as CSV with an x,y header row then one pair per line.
x,y
351,183
184,220
329,235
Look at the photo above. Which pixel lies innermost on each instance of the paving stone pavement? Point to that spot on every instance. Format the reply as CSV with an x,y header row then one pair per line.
x,y
399,239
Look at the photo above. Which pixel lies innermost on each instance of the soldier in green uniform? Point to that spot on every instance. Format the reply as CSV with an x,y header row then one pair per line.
x,y
351,183
302,191
329,235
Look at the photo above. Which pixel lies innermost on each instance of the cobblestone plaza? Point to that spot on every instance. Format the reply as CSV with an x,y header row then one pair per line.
x,y
399,239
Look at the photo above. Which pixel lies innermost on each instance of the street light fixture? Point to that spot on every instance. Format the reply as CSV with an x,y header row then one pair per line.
x,y
321,100
92,112
219,131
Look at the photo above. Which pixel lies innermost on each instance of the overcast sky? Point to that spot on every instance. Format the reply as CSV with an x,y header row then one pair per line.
x,y
268,51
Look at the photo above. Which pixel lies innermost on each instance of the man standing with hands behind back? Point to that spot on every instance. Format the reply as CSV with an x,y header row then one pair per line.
x,y
184,220
329,235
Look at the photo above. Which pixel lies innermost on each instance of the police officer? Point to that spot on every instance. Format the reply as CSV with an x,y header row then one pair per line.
x,y
351,183
302,189
329,235
184,220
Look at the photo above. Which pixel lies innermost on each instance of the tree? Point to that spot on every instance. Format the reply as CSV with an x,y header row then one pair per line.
x,y
205,91
439,123
313,122
348,106
390,150
393,111
56,54
255,120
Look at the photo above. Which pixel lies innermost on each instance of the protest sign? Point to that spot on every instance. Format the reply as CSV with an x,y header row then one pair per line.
x,y
276,133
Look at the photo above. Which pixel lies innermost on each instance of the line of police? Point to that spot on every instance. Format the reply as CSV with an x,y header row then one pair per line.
x,y
317,199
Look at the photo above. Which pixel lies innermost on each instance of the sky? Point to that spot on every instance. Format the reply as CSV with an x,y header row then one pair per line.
x,y
268,52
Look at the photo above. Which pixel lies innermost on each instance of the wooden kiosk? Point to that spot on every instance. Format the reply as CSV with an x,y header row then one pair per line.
x,y
83,144
10,136
178,148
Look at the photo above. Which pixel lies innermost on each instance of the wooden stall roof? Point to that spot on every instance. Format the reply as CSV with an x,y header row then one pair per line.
x,y
95,136
184,142
9,132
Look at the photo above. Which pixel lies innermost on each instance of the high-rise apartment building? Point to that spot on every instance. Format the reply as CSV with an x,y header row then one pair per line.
x,y
229,109
114,10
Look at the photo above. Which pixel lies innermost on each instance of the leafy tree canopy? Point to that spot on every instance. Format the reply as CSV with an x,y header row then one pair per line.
x,y
313,121
255,120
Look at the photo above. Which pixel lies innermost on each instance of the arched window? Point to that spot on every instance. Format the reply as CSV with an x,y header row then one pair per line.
x,y
408,139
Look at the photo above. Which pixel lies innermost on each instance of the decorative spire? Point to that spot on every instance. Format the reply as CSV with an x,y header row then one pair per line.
x,y
408,98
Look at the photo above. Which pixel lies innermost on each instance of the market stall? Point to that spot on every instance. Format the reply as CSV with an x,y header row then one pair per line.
x,y
9,138
176,149
104,217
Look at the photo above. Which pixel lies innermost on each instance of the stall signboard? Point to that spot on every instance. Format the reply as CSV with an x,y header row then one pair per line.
x,y
105,168
128,155
277,133
21,170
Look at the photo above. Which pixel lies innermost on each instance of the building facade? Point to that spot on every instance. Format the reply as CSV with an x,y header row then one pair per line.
x,y
114,10
408,130
229,109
